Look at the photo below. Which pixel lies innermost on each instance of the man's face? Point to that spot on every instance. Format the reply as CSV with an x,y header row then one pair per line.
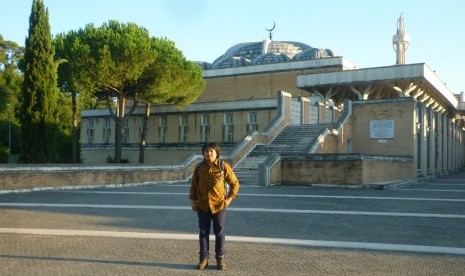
x,y
210,155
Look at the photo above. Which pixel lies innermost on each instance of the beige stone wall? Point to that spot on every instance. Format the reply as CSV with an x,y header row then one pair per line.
x,y
259,86
304,172
383,171
66,176
357,129
345,171
240,119
98,153
402,111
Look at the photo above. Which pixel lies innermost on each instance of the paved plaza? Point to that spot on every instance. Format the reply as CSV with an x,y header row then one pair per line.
x,y
413,229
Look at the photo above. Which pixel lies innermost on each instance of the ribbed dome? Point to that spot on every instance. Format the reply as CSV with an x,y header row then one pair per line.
x,y
249,51
266,52
314,53
232,62
271,58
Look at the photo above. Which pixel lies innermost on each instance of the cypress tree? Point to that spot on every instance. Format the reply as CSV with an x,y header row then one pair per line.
x,y
39,95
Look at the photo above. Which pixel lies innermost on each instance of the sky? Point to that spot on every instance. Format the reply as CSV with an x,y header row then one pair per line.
x,y
359,30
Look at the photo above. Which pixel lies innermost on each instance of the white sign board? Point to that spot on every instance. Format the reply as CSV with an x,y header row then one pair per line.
x,y
381,129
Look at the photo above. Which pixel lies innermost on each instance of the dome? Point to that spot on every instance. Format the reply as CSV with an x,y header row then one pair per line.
x,y
266,52
314,53
232,62
288,48
271,58
248,51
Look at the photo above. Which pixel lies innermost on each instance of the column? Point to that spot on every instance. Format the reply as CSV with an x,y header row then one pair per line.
x,y
305,110
431,151
444,145
438,146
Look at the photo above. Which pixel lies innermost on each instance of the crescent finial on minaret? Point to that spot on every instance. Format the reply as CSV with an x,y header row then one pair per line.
x,y
270,30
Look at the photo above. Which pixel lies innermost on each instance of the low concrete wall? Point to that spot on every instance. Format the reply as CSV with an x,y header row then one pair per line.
x,y
41,176
339,169
345,169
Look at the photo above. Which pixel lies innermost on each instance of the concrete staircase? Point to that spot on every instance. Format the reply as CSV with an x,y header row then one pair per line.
x,y
292,139
247,170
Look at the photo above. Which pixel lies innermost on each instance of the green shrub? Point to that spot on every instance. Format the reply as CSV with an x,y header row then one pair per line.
x,y
4,154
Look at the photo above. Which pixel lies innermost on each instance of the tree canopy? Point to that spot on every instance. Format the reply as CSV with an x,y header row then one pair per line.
x,y
121,61
11,81
39,97
170,78
10,77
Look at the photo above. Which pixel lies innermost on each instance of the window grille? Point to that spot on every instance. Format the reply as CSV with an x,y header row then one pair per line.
x,y
205,127
228,127
252,124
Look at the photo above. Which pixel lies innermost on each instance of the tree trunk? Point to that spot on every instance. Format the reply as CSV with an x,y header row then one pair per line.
x,y
119,128
74,138
143,135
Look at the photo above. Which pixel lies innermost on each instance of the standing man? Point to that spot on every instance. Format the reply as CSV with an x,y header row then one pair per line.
x,y
209,196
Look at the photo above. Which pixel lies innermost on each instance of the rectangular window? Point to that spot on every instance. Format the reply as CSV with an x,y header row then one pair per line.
x,y
90,131
125,131
163,128
252,122
205,127
107,131
183,128
228,127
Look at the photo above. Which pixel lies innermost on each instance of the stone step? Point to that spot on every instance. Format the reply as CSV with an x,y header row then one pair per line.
x,y
247,170
292,139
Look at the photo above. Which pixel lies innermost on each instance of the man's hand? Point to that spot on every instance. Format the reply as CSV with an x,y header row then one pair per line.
x,y
228,201
194,206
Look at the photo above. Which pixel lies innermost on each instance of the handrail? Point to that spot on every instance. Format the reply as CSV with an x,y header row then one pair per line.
x,y
242,148
253,139
277,124
247,140
347,113
264,169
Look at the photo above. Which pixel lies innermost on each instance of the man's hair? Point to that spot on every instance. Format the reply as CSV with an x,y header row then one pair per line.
x,y
213,146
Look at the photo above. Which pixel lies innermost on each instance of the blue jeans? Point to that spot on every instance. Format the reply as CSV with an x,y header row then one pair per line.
x,y
205,219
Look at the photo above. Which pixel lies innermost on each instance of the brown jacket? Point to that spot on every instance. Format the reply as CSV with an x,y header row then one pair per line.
x,y
207,187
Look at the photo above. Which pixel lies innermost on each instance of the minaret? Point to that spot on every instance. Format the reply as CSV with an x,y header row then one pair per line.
x,y
400,41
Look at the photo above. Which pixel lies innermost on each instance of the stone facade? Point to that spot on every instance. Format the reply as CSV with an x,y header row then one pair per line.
x,y
396,111
249,99
401,111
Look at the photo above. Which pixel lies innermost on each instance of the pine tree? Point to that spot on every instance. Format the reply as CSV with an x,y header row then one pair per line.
x,y
39,95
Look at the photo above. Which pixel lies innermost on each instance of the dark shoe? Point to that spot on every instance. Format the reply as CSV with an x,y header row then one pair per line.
x,y
220,263
202,264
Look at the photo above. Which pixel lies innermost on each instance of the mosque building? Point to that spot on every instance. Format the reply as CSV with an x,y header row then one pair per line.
x,y
284,106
